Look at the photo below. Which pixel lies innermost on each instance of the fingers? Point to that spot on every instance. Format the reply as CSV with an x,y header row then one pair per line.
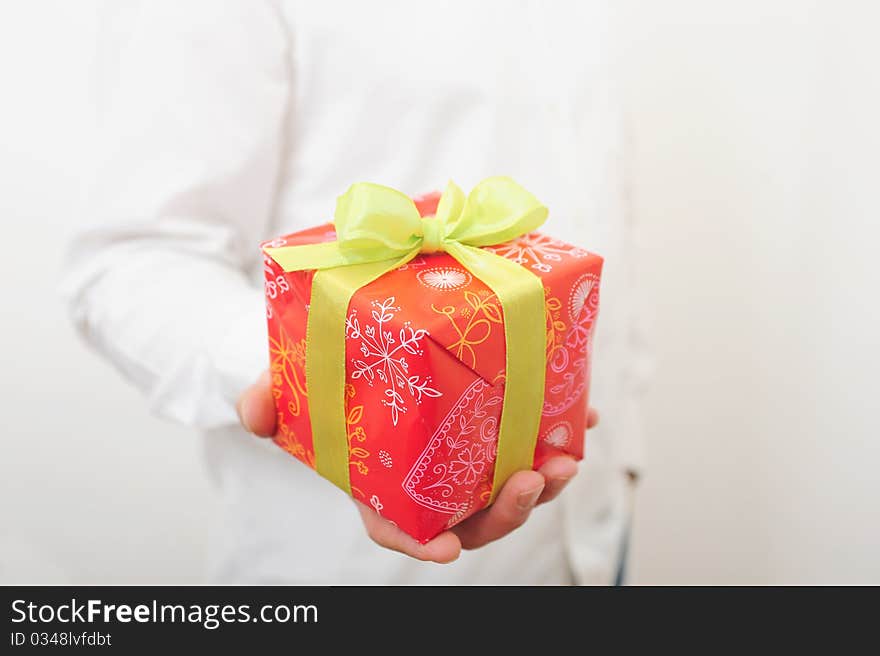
x,y
557,472
445,548
256,407
592,417
522,492
511,508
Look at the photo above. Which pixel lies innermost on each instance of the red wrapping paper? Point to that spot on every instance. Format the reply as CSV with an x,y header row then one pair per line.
x,y
425,374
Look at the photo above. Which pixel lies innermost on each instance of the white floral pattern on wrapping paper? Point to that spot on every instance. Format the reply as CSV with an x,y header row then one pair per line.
x,y
558,435
456,517
278,242
275,281
583,305
538,251
444,278
276,287
385,357
459,453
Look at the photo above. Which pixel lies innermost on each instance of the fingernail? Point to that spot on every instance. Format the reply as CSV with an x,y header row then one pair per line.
x,y
528,499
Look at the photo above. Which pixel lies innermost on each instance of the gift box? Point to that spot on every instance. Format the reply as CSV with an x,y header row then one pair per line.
x,y
425,356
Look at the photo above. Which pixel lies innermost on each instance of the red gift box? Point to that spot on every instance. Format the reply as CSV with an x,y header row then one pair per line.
x,y
425,357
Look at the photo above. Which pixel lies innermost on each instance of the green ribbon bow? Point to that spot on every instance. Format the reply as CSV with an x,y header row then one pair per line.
x,y
379,229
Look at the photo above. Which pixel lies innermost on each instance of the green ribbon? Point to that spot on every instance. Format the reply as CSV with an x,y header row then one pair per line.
x,y
379,229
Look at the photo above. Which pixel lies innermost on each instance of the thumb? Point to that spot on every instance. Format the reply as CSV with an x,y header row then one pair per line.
x,y
256,407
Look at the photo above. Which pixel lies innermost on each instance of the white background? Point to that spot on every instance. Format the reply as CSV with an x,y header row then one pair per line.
x,y
757,188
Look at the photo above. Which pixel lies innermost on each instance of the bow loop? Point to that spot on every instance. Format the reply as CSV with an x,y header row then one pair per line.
x,y
373,216
497,210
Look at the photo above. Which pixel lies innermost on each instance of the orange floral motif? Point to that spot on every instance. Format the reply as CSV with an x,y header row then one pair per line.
x,y
482,310
356,433
555,327
288,360
287,440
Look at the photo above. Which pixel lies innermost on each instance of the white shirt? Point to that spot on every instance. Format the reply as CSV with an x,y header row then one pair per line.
x,y
237,121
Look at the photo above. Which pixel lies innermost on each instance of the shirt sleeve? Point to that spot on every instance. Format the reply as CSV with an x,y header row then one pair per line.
x,y
190,147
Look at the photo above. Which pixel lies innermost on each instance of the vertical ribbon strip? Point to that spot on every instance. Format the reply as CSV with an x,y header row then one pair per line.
x,y
379,229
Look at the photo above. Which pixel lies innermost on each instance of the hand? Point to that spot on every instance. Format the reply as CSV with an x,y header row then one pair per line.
x,y
520,494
